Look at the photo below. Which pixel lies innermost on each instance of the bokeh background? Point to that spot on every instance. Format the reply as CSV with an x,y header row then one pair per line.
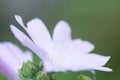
x,y
97,21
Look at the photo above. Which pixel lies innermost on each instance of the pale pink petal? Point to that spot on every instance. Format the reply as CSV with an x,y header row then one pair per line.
x,y
27,42
61,34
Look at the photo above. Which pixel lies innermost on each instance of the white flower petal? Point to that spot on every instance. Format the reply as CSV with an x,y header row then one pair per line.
x,y
61,34
90,64
16,50
39,33
82,62
7,55
79,47
103,69
11,59
90,60
20,20
8,71
62,52
96,60
27,56
51,67
27,42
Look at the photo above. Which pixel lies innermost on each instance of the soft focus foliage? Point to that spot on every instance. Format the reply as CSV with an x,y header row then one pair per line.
x,y
94,20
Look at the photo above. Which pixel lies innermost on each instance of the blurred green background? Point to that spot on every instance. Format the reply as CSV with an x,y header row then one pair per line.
x,y
97,21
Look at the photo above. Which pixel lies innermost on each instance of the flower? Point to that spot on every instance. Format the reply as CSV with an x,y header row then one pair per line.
x,y
11,59
59,53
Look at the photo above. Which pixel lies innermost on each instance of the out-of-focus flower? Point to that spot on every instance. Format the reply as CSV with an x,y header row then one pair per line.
x,y
11,59
59,53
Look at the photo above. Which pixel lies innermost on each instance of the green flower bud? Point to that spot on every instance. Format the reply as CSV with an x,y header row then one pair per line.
x,y
42,76
83,77
28,71
32,71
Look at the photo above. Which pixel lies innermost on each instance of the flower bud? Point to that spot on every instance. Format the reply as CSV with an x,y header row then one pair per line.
x,y
28,71
83,77
42,76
